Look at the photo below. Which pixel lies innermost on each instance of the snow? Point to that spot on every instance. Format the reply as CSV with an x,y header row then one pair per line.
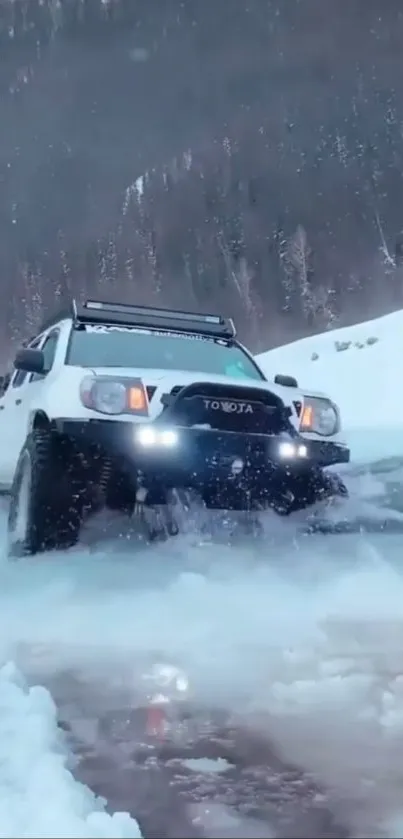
x,y
303,634
315,646
359,367
34,770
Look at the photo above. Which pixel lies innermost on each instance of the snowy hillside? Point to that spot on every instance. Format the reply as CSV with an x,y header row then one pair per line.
x,y
360,367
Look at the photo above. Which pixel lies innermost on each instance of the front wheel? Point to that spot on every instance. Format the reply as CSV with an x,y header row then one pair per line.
x,y
47,498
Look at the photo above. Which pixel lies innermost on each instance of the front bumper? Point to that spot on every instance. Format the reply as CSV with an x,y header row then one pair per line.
x,y
327,453
200,454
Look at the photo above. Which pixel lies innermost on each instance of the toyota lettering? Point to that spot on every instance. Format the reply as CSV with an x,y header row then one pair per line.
x,y
228,407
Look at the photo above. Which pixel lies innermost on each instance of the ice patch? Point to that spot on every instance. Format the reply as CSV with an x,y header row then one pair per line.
x,y
38,794
217,819
205,765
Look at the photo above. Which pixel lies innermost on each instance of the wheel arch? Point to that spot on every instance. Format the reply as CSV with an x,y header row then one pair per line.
x,y
40,421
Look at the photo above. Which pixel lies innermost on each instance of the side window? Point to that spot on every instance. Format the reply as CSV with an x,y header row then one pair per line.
x,y
20,375
19,378
49,350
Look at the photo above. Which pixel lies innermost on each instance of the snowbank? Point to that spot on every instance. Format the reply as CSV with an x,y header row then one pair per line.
x,y
38,795
360,367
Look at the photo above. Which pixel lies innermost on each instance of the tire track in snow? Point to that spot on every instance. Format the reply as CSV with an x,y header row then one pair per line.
x,y
165,786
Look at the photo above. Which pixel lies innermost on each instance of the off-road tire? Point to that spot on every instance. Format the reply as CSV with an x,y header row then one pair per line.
x,y
55,495
308,489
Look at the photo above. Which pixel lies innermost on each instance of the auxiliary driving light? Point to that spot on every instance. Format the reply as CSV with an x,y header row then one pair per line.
x,y
289,450
148,436
168,437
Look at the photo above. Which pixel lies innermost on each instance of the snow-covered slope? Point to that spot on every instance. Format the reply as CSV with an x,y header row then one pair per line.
x,y
361,368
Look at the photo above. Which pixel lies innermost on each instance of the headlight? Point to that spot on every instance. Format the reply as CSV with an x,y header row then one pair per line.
x,y
108,395
319,416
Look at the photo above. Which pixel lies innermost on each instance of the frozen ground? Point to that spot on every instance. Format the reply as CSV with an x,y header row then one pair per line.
x,y
299,637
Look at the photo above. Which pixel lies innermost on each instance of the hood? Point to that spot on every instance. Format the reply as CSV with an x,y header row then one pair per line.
x,y
171,378
162,381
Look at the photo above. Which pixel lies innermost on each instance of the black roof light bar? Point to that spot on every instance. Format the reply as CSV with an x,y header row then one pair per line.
x,y
149,317
146,317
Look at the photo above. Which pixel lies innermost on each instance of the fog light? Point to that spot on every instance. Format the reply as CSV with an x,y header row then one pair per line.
x,y
302,451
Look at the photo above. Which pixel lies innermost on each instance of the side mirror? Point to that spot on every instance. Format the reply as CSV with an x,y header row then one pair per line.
x,y
285,381
30,361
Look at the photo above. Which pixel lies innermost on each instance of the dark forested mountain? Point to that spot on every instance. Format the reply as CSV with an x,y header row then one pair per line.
x,y
244,155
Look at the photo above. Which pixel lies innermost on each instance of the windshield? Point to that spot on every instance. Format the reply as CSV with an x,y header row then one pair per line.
x,y
130,348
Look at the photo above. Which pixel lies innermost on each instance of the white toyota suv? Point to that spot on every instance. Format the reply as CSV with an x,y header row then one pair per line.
x,y
119,405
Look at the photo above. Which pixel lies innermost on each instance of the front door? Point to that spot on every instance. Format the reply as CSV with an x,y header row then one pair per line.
x,y
15,405
13,420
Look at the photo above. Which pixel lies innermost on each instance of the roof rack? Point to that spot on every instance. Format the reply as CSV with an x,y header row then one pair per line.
x,y
148,317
